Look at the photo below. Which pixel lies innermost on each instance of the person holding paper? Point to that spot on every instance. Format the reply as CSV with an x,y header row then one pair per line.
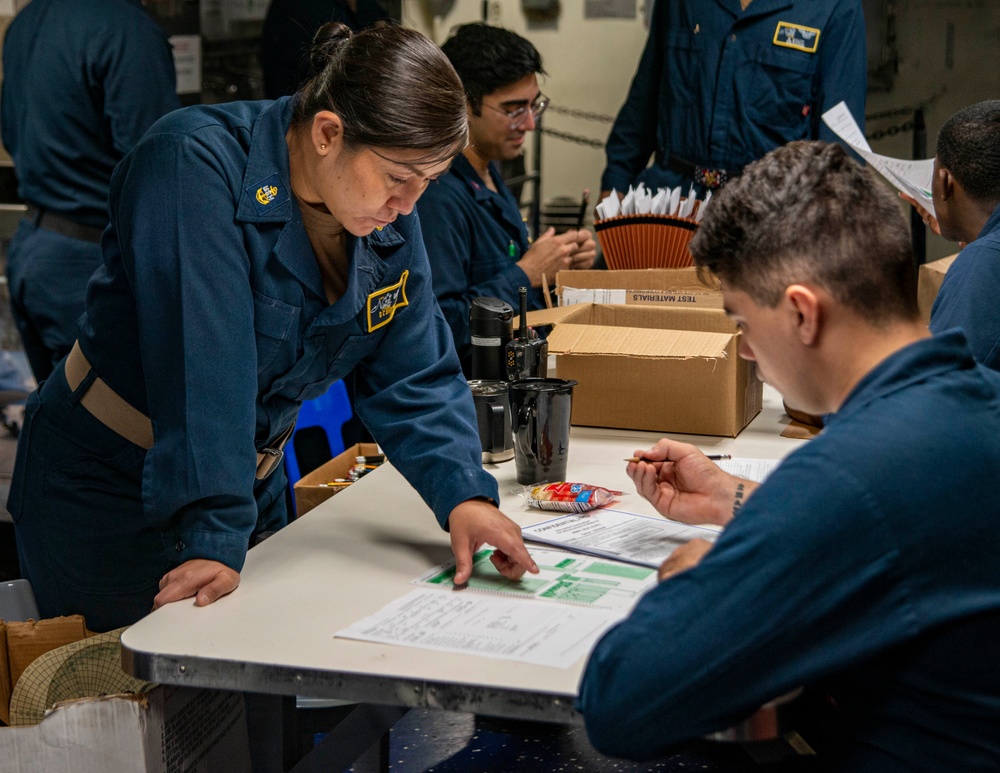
x,y
721,83
864,568
966,192
476,239
257,252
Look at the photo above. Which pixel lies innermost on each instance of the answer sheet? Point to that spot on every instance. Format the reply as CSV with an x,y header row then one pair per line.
x,y
471,623
564,577
623,536
749,468
911,177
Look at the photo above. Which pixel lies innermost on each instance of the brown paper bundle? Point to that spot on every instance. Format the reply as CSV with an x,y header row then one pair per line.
x,y
646,241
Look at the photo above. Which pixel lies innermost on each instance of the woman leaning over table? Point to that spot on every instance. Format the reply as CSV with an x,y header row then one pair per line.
x,y
257,252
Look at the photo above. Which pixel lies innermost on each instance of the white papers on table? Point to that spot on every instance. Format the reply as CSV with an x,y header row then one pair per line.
x,y
479,624
911,177
751,469
564,577
636,539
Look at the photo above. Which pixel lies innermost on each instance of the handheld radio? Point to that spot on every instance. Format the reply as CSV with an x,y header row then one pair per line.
x,y
527,355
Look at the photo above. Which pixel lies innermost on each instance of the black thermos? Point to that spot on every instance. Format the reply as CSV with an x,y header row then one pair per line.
x,y
491,323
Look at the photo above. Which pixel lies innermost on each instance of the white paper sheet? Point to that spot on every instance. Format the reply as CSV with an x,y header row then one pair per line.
x,y
466,622
751,469
563,577
636,539
911,177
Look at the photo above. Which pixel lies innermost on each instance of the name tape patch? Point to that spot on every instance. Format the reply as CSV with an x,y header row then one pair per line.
x,y
382,304
796,36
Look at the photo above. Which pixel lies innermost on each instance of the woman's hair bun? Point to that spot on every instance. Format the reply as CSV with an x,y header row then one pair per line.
x,y
327,44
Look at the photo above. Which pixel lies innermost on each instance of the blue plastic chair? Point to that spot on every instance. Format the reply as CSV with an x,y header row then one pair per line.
x,y
317,437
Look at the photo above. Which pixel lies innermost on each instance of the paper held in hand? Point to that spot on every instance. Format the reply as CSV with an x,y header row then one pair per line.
x,y
911,177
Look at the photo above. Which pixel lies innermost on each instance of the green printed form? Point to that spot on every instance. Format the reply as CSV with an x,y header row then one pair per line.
x,y
563,577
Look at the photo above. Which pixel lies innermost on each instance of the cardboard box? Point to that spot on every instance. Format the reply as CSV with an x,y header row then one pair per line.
x,y
653,286
929,279
22,642
166,729
657,368
309,491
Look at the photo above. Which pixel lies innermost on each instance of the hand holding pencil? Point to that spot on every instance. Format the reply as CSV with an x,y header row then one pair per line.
x,y
685,485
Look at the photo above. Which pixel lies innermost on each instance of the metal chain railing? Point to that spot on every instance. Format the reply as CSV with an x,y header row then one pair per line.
x,y
571,137
582,114
878,134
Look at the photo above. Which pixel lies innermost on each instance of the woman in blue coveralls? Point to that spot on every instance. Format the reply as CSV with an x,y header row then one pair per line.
x,y
257,252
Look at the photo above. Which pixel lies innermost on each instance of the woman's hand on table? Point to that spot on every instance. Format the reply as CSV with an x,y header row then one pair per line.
x,y
206,580
685,485
476,522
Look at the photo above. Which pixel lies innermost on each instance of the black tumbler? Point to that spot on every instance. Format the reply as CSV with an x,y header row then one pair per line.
x,y
540,411
491,323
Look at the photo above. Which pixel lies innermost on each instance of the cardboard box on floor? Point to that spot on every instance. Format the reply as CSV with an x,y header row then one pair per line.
x,y
22,642
308,489
657,368
929,279
653,286
166,729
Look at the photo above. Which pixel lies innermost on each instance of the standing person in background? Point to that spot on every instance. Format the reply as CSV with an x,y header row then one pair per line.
x,y
288,33
257,252
966,192
82,81
475,236
722,82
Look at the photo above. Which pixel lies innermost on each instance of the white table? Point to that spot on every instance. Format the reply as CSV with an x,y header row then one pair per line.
x,y
354,554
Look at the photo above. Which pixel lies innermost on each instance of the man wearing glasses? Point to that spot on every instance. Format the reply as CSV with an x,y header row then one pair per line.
x,y
476,240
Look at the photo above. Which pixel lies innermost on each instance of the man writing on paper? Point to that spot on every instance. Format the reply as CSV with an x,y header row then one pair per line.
x,y
848,570
721,83
966,191
475,237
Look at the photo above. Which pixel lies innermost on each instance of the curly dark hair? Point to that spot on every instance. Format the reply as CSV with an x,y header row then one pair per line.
x,y
968,146
807,212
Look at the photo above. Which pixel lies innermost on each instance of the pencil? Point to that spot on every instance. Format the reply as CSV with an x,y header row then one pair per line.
x,y
713,457
584,200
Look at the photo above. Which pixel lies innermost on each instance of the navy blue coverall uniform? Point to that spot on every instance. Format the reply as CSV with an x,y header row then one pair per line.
x,y
864,568
209,316
475,238
718,87
968,295
82,83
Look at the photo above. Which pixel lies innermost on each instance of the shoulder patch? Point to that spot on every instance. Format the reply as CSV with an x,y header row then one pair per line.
x,y
382,303
796,36
267,194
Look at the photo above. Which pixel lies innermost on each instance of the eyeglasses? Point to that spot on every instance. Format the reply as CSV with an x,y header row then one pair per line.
x,y
519,116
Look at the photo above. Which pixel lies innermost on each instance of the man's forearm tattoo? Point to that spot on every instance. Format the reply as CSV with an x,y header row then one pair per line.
x,y
738,499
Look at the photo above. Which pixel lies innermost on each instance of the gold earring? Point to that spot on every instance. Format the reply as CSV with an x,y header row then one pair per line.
x,y
322,147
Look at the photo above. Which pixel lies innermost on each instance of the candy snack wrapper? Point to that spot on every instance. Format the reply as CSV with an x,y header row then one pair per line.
x,y
567,497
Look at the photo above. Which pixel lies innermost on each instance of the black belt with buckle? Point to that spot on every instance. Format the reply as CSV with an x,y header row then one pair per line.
x,y
713,179
50,221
